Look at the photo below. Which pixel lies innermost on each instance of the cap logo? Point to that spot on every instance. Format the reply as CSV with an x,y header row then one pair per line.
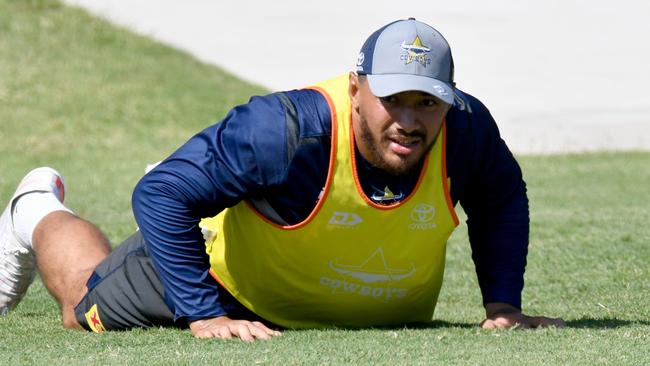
x,y
416,51
360,60
440,90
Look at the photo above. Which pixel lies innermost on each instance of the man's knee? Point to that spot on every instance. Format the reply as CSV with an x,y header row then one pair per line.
x,y
69,319
72,323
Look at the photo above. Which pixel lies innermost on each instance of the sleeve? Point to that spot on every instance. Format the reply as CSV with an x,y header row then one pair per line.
x,y
495,201
215,169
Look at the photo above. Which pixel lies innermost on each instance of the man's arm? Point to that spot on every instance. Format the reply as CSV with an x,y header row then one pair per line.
x,y
493,195
215,169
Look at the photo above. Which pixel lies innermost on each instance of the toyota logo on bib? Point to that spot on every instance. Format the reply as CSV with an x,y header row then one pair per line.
x,y
422,215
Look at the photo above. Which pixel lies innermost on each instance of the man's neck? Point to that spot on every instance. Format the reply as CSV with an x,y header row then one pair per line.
x,y
381,187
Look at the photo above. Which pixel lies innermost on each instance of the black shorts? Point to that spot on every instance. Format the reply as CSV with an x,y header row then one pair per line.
x,y
124,292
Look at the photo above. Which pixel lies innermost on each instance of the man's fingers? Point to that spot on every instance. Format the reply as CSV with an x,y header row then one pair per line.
x,y
258,332
505,322
498,323
206,333
522,322
249,331
226,328
243,332
487,324
224,333
266,329
203,334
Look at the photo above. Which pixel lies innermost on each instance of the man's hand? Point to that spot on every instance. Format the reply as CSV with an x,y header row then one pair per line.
x,y
226,328
501,315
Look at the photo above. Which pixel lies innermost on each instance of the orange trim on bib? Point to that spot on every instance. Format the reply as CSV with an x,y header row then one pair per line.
x,y
357,183
330,170
214,275
445,182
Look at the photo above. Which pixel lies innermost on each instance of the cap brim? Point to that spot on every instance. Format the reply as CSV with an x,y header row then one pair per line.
x,y
383,85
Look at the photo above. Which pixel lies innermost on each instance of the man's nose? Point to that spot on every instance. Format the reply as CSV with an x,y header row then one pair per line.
x,y
406,118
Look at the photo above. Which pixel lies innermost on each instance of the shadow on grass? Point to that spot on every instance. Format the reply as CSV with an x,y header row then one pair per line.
x,y
443,324
610,323
583,323
435,324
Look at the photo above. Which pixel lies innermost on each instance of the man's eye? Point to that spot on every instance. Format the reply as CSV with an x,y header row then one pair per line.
x,y
389,99
429,102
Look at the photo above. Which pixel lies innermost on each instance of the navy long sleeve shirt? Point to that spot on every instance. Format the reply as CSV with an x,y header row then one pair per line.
x,y
247,156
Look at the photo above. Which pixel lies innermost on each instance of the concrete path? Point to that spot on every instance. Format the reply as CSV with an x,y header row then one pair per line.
x,y
558,75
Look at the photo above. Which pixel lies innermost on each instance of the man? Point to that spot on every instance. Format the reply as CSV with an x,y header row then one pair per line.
x,y
329,206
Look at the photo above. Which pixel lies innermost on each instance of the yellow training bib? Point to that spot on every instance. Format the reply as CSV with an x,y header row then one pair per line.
x,y
351,263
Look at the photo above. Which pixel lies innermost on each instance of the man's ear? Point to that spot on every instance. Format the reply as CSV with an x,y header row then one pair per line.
x,y
353,90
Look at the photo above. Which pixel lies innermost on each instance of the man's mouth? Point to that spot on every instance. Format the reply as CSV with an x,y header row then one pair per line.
x,y
404,145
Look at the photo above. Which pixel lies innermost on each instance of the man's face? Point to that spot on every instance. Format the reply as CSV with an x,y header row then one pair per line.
x,y
394,133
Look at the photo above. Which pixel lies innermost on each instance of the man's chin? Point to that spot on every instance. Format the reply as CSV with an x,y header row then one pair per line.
x,y
399,166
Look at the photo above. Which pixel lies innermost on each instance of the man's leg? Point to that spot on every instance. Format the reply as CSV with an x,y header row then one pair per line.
x,y
35,224
68,249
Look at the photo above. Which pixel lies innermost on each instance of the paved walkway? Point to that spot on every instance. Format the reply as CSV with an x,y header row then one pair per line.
x,y
559,76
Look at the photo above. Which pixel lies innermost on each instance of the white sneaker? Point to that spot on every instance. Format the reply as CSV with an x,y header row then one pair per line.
x,y
17,262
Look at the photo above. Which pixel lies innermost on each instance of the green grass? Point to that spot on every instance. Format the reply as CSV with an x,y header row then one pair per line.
x,y
99,103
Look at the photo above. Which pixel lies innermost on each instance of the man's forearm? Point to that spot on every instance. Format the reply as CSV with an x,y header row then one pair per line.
x,y
176,247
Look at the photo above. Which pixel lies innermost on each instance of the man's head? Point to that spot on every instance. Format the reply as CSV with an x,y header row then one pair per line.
x,y
400,94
